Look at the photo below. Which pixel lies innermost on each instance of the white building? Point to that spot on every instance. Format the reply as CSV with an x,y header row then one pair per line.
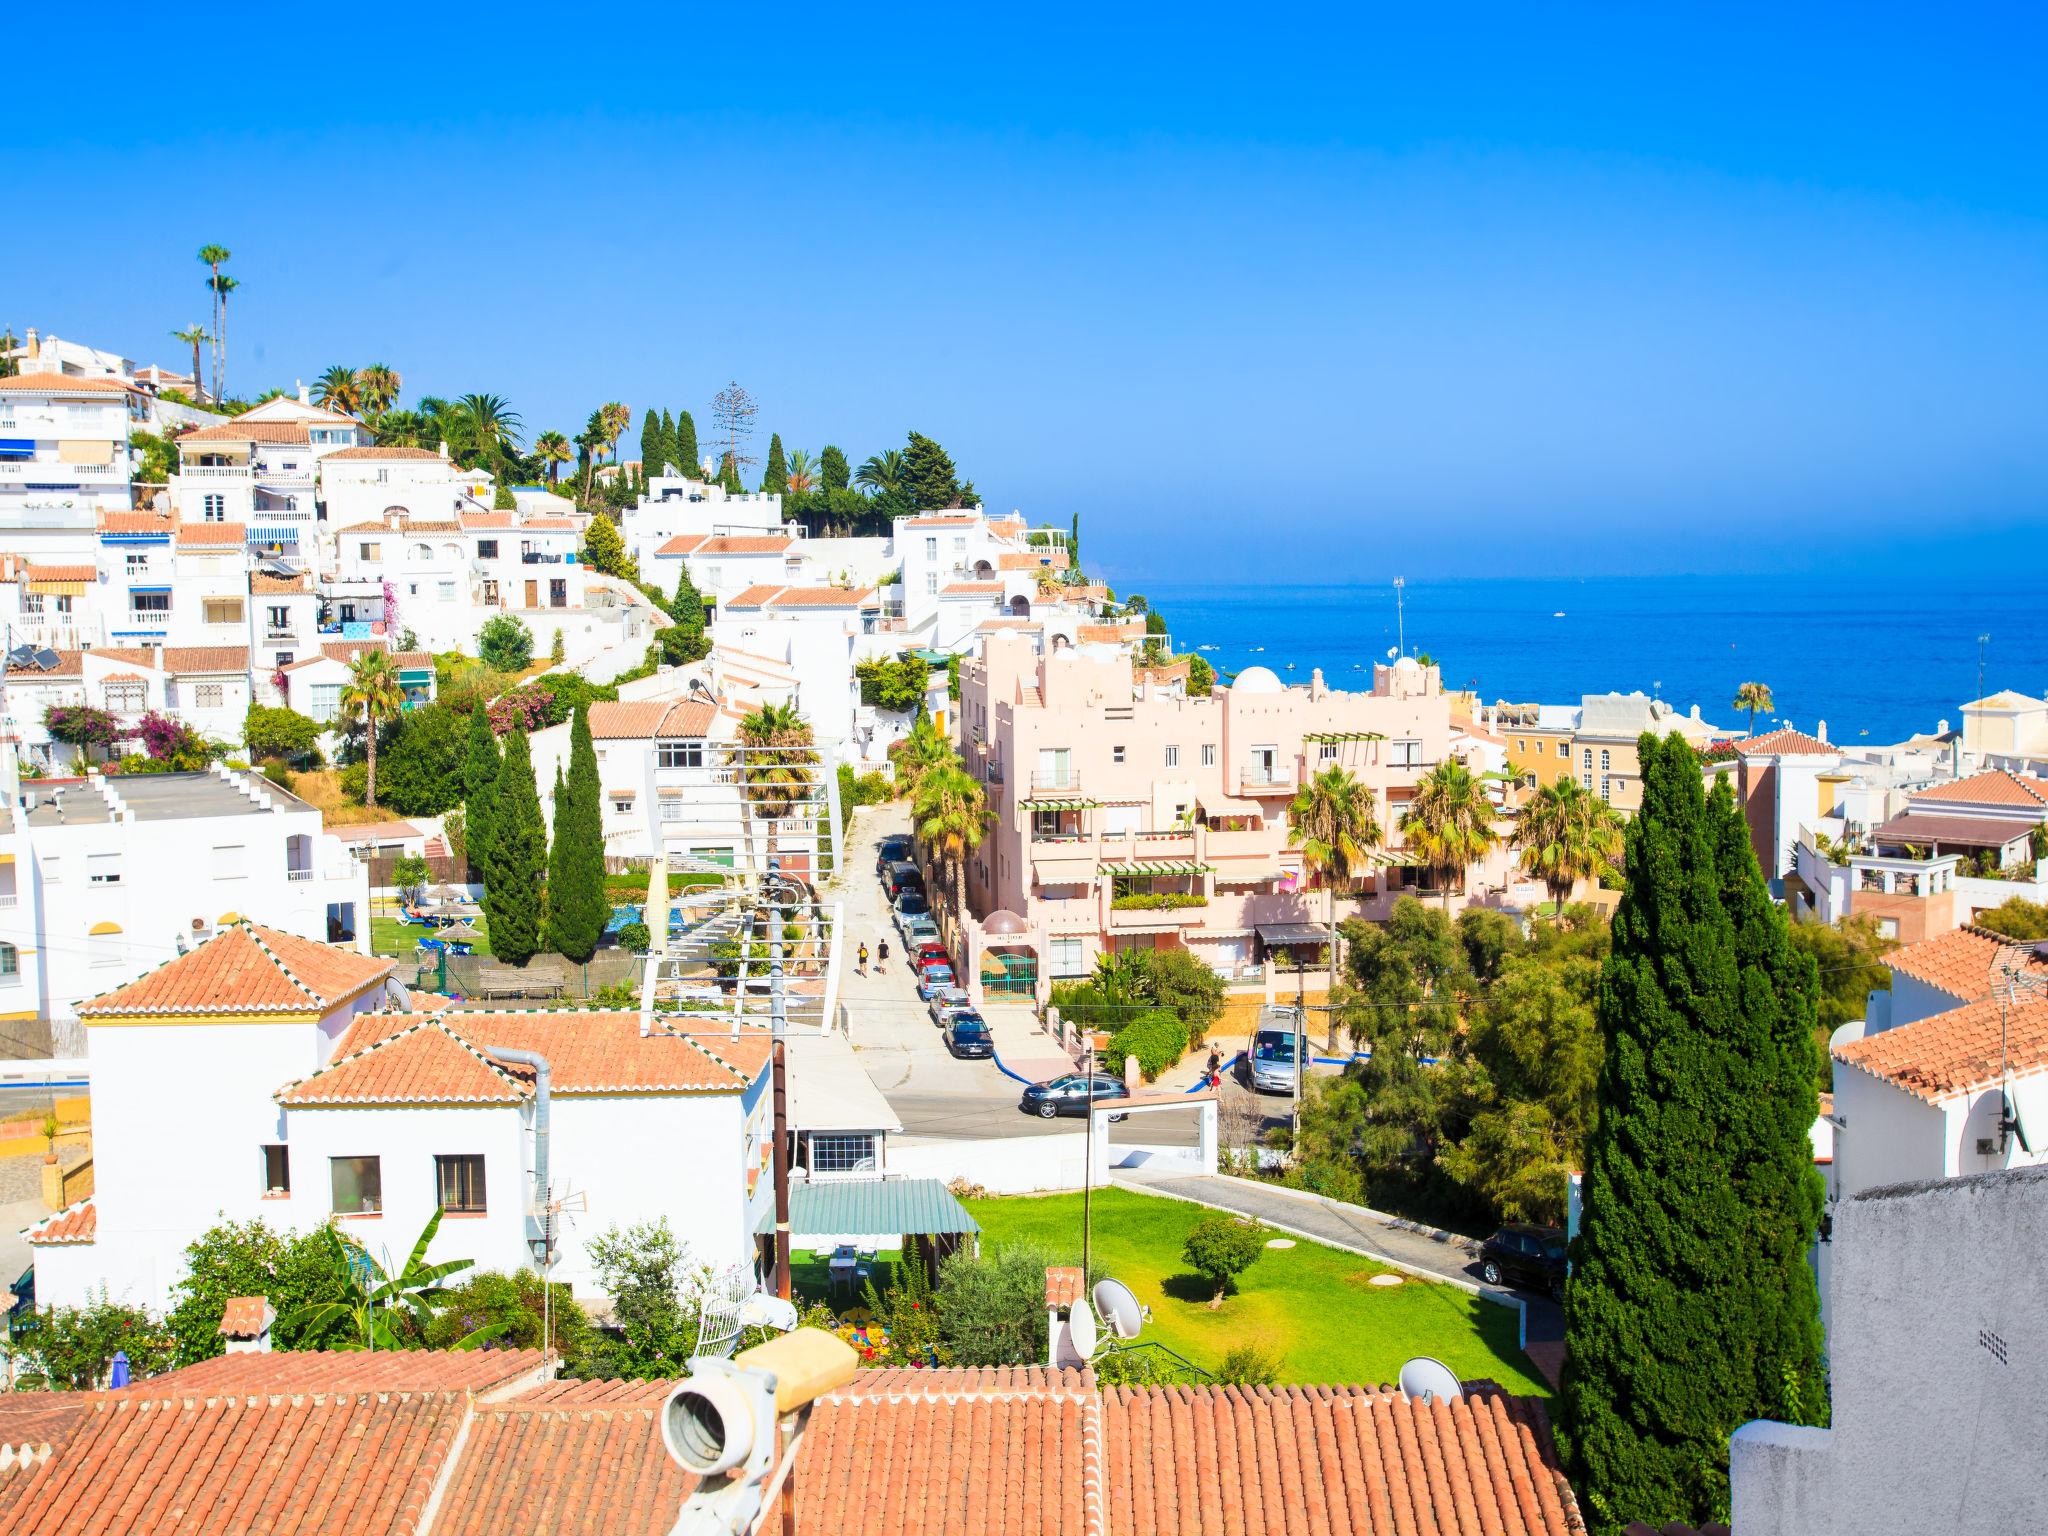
x,y
328,1100
817,634
259,471
113,875
75,360
206,686
64,448
675,505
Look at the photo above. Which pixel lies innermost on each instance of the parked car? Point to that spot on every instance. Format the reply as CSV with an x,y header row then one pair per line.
x,y
891,850
1268,1066
900,877
928,949
967,1035
1519,1254
917,930
910,904
934,979
952,1000
1069,1095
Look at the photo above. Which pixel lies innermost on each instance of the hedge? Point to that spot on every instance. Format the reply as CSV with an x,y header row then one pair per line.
x,y
1157,1039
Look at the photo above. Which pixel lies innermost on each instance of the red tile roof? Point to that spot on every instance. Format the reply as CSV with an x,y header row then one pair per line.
x,y
177,659
1956,1052
587,1468
245,1317
645,719
1996,787
381,453
970,588
1064,1285
246,968
263,584
216,535
1784,743
726,544
62,384
768,596
69,664
632,1390
1965,962
1032,560
752,597
76,1223
135,522
443,1058
33,572
949,520
488,1372
238,430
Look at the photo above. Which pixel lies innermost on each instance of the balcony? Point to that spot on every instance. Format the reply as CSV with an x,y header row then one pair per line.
x,y
216,472
298,876
272,635
1258,778
533,557
1065,781
1063,860
1154,919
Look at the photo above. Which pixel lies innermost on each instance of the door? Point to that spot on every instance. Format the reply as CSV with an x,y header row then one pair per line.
x,y
1052,768
533,594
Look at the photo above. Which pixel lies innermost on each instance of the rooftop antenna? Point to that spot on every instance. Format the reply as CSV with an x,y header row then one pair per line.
x,y
1400,617
1427,1380
2021,975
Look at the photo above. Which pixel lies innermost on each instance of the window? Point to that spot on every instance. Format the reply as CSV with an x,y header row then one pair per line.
x,y
208,695
931,583
1173,757
10,965
931,549
679,754
136,563
445,590
622,805
1564,750
223,610
103,869
423,554
227,862
1116,754
104,949
1404,754
370,551
1326,751
1605,785
358,1184
487,549
213,509
1587,781
1208,754
1588,760
284,658
277,1169
53,870
157,604
1067,959
31,602
459,1182
671,807
326,701
1604,763
842,1153
1887,927
124,695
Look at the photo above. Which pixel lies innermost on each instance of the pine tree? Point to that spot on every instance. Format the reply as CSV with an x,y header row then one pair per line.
x,y
668,443
519,858
687,606
928,475
604,549
834,473
577,905
652,444
775,477
1689,1311
688,459
480,788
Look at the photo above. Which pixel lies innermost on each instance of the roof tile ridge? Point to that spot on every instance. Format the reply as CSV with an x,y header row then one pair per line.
x,y
277,960
691,1037
427,1021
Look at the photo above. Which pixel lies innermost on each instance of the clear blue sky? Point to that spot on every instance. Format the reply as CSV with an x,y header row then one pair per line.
x,y
1540,288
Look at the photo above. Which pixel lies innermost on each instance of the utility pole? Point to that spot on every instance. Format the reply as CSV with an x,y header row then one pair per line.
x,y
1301,1038
1088,1159
778,1030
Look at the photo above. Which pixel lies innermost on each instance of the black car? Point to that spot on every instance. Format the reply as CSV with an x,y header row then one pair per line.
x,y
1526,1256
891,850
1069,1095
967,1035
900,877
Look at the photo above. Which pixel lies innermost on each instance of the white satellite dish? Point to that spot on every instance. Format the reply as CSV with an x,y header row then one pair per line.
x,y
1119,1309
1429,1381
763,1310
1393,651
1081,1332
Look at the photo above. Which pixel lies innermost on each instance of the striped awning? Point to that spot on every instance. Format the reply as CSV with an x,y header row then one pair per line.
x,y
59,586
1399,858
1155,867
1056,803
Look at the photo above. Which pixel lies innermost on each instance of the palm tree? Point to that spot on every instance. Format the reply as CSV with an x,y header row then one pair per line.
x,y
882,472
196,336
950,812
378,386
1566,835
339,389
214,257
377,1298
613,419
371,695
553,450
404,429
1332,820
1450,822
922,750
226,285
776,767
1756,698
803,472
489,422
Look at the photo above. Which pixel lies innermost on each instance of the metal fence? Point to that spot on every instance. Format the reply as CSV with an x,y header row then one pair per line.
x,y
543,979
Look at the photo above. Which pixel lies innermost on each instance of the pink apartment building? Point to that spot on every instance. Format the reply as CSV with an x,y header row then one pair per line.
x,y
1129,815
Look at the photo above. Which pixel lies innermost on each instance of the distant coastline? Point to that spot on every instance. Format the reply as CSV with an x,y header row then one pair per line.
x,y
1876,663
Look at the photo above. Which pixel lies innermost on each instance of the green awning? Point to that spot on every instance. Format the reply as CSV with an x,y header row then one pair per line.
x,y
1322,736
877,1208
1156,867
1042,803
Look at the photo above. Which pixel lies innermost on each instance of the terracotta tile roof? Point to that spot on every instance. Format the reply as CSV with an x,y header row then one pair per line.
x,y
753,597
482,520
591,1468
770,596
645,719
238,430
1103,634
178,659
245,1317
390,454
949,520
365,1463
970,588
443,1058
216,535
263,584
1316,1459
1956,1052
727,544
631,1390
1785,743
246,968
69,664
1964,962
374,831
1032,560
135,522
62,384
1996,787
549,524
33,572
1065,1284
487,1372
76,1223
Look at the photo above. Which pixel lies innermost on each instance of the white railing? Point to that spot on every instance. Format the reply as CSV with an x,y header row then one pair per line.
x,y
296,875
9,899
215,472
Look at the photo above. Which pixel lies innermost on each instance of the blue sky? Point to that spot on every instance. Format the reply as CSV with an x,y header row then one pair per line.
x,y
1498,290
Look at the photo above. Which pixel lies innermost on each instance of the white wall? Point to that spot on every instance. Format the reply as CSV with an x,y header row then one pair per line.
x,y
1003,1165
1883,1134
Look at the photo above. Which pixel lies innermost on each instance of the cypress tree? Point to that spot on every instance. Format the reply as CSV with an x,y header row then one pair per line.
x,y
1687,1313
519,858
668,442
558,802
688,460
775,476
652,444
480,788
729,476
577,905
687,606
929,476
1074,548
834,473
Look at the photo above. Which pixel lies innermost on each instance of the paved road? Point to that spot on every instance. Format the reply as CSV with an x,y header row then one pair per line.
x,y
1350,1226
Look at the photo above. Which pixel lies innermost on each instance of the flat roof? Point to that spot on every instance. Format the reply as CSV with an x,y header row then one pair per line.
x,y
81,805
182,796
829,1090
877,1208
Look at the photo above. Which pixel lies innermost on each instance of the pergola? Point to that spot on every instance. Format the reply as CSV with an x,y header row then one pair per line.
x,y
919,1215
1204,1101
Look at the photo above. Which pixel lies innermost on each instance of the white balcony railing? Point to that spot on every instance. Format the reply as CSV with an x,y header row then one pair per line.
x,y
297,875
215,472
9,899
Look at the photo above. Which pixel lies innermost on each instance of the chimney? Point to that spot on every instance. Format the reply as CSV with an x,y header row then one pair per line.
x,y
1821,730
245,1324
305,394
34,347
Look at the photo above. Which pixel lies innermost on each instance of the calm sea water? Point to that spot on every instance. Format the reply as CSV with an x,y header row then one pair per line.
x,y
1877,661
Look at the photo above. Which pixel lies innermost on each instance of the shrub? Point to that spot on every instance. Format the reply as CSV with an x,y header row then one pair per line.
x,y
992,1308
635,936
1156,1038
505,643
72,1348
1158,901
355,781
1219,1248
516,1302
897,684
409,875
2017,918
283,733
82,726
250,1258
1247,1365
558,649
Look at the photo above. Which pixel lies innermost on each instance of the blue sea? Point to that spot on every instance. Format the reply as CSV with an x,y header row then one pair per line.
x,y
1877,660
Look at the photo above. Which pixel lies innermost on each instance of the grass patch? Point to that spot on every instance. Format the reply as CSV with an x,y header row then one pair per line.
x,y
809,1281
388,936
1309,1305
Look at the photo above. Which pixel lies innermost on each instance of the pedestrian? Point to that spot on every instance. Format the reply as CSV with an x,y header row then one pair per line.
x,y
881,954
863,960
1215,1073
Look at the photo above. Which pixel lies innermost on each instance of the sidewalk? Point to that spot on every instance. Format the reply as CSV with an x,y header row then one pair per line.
x,y
1025,1049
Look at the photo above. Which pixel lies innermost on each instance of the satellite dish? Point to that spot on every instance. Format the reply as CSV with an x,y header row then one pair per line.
x,y
1424,1380
1393,651
761,1310
1119,1308
1081,1332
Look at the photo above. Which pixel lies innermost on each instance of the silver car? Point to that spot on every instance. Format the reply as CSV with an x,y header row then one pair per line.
x,y
949,1001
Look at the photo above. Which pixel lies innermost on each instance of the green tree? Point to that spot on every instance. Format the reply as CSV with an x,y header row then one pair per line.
x,y
949,810
519,858
1756,698
519,1308
604,549
1219,1248
1201,678
1074,547
251,1258
652,1283
1449,823
214,257
505,643
480,765
992,1307
2016,918
337,390
420,773
777,764
689,457
1847,964
382,1310
72,1349
577,905
1566,834
668,446
502,500
1691,1309
687,606
653,446
409,875
193,336
897,684
369,698
553,450
156,458
280,732
1331,819
834,473
928,475
775,474
1186,988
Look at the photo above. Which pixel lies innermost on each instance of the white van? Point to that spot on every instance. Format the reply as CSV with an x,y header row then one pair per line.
x,y
1270,1062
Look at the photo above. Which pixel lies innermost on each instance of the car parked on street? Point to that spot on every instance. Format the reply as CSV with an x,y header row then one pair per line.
x,y
910,904
928,950
967,1035
1531,1256
917,930
900,877
934,979
891,850
952,1000
1069,1095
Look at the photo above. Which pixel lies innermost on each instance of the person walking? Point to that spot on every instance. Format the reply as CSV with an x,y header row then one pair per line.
x,y
1215,1073
863,967
881,954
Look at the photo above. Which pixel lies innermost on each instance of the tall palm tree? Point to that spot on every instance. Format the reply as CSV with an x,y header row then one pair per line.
x,y
924,748
803,472
950,812
1449,822
1756,698
339,389
371,695
225,285
404,429
778,765
378,385
1331,818
1566,834
214,257
492,424
553,450
613,419
196,337
881,472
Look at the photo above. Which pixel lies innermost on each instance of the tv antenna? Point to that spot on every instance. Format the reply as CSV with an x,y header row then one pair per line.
x,y
1427,1380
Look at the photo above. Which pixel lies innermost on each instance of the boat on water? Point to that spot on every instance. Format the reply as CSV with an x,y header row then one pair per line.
x,y
1559,614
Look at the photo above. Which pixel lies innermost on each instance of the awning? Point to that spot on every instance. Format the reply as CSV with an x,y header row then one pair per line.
x,y
1399,858
149,589
829,1090
1225,805
1965,831
1041,804
1280,935
56,587
273,535
874,1208
1155,867
17,447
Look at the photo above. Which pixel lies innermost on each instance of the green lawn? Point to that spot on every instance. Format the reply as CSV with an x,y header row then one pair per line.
x,y
1309,1304
388,936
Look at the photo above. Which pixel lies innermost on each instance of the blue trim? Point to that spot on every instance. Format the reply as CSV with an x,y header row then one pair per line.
x,y
135,538
998,1060
150,590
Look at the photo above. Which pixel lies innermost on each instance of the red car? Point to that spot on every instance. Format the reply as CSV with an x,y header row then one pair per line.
x,y
927,952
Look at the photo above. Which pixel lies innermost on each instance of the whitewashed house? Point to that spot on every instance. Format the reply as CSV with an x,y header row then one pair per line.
x,y
259,471
64,451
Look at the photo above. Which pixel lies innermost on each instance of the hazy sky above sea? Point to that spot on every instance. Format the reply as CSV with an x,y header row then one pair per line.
x,y
1257,291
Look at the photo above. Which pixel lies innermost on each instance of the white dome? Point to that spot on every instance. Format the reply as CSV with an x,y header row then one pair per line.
x,y
1258,680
